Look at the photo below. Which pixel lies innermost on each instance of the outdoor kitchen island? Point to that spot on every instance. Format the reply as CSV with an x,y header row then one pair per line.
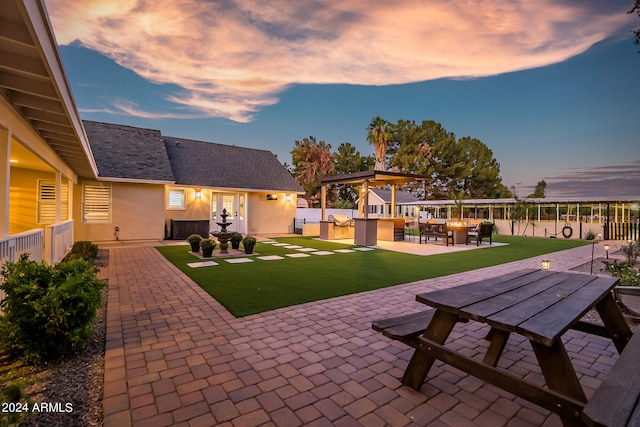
x,y
367,231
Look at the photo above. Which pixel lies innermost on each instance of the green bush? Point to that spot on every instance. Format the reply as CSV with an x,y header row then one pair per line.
x,y
628,274
48,310
82,249
631,252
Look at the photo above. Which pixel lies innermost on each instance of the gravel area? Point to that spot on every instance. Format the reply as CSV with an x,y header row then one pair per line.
x,y
77,380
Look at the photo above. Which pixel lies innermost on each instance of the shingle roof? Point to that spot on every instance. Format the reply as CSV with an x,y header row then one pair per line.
x,y
401,196
127,152
217,165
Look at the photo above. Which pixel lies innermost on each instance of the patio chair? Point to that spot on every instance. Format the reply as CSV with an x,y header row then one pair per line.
x,y
435,230
482,231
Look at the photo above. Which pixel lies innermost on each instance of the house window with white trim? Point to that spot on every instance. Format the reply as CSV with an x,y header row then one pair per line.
x,y
176,199
96,203
46,210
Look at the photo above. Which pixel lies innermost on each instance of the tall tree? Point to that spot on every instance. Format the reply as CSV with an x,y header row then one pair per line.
x,y
312,160
541,186
378,135
483,178
348,160
636,9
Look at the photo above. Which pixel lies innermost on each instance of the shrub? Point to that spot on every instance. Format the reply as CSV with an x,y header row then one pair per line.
x,y
82,249
206,244
628,274
48,310
235,240
590,235
632,252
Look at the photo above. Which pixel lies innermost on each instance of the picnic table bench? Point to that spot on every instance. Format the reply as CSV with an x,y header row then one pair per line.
x,y
616,402
539,305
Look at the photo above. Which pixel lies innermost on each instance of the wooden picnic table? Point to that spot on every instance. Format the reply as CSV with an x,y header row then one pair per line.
x,y
537,304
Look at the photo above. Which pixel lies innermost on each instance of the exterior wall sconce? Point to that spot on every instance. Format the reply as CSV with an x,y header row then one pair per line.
x,y
546,264
606,249
287,198
198,193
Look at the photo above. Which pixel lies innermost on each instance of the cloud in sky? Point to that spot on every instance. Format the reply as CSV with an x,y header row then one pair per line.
x,y
232,58
602,181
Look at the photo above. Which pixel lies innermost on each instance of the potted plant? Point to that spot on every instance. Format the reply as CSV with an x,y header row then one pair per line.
x,y
207,246
249,243
194,240
235,239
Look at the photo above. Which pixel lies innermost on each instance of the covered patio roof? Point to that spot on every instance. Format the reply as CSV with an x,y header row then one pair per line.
x,y
33,81
373,177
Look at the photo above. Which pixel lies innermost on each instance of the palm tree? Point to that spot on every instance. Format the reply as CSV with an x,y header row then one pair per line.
x,y
378,135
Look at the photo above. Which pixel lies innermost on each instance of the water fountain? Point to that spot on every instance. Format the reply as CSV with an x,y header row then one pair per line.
x,y
223,235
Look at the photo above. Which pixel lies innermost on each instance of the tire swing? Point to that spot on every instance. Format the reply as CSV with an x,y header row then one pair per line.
x,y
567,231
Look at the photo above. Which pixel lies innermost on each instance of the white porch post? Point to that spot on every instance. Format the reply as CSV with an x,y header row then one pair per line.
x,y
5,175
58,196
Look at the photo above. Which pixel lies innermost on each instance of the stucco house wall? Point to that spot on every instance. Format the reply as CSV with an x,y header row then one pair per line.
x,y
23,196
271,216
136,209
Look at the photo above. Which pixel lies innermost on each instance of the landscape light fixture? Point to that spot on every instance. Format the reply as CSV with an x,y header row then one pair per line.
x,y
606,249
546,264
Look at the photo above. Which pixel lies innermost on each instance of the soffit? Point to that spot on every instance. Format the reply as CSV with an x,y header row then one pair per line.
x,y
33,81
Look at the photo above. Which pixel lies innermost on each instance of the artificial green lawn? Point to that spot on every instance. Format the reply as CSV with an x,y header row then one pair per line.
x,y
258,286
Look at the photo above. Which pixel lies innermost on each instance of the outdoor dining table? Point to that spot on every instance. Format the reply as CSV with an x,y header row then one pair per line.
x,y
540,305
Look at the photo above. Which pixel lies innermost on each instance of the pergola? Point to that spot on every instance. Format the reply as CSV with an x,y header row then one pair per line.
x,y
365,228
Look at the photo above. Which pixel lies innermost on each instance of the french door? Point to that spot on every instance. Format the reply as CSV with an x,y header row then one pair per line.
x,y
235,204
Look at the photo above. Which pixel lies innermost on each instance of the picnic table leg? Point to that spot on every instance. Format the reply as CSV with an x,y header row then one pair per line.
x,y
560,375
614,322
496,347
438,330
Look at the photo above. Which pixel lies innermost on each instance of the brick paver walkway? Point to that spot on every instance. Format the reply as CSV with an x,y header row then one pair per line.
x,y
174,356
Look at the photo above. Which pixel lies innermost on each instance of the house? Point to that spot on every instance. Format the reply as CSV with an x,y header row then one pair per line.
x,y
170,187
380,202
65,180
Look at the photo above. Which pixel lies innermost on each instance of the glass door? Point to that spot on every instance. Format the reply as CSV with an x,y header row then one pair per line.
x,y
234,203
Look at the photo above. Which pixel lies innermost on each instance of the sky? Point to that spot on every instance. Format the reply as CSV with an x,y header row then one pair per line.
x,y
551,87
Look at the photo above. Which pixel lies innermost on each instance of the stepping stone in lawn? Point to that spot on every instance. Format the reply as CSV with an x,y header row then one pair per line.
x,y
238,260
292,247
297,255
270,257
280,244
301,249
363,249
323,253
201,264
344,251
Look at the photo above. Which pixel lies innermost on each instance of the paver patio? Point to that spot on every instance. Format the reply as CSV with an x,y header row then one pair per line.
x,y
175,356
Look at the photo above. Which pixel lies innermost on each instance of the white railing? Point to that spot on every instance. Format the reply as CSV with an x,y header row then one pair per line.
x,y
31,242
58,239
11,247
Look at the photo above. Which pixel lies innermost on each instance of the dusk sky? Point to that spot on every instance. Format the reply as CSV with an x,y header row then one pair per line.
x,y
551,87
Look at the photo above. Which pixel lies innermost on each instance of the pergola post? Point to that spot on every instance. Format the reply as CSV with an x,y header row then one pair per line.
x,y
323,202
393,200
365,197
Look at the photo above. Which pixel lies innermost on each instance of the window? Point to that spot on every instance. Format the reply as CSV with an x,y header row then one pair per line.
x,y
96,203
176,199
46,211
